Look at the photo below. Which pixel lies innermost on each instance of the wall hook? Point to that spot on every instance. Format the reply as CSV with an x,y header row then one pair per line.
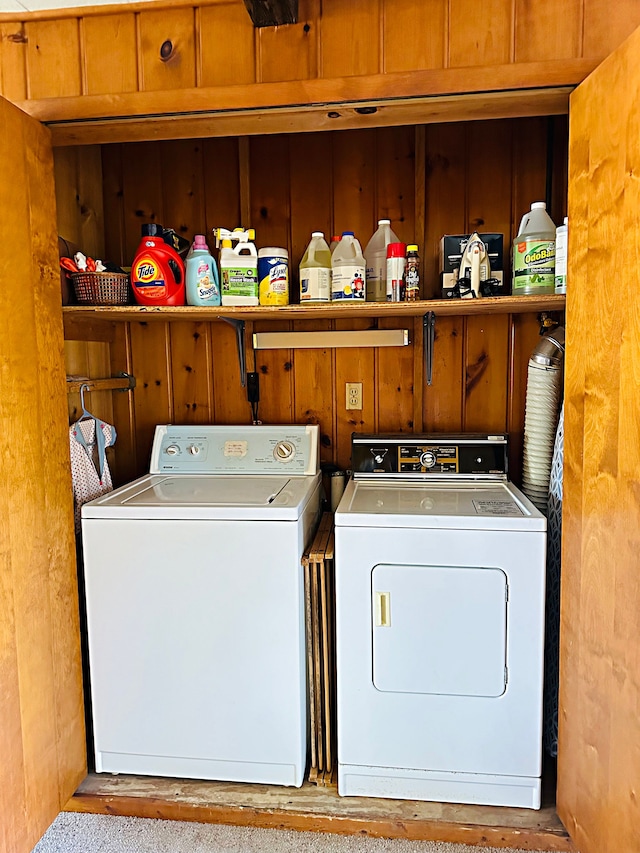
x,y
131,380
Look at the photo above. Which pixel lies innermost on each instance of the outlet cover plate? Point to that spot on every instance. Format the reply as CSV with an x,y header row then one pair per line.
x,y
354,395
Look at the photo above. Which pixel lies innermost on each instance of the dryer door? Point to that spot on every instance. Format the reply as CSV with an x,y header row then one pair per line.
x,y
439,629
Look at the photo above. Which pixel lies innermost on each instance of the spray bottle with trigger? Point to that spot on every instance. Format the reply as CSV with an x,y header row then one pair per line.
x,y
238,266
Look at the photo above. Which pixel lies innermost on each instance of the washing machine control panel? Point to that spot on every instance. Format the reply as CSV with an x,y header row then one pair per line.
x,y
429,455
289,449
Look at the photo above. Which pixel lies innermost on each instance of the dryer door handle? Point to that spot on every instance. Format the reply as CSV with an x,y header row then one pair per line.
x,y
383,610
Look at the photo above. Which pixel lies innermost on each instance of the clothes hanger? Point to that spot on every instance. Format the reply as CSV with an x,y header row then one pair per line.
x,y
95,446
86,415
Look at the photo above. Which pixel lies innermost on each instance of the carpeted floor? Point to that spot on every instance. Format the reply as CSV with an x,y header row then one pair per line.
x,y
85,833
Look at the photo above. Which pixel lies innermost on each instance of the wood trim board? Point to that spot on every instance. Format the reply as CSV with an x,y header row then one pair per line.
x,y
522,79
318,808
308,119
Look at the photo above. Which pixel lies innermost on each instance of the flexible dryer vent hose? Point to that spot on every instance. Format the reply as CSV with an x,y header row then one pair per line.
x,y
544,397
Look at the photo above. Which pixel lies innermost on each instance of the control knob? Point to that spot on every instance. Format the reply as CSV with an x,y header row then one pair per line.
x,y
284,451
428,459
193,449
172,450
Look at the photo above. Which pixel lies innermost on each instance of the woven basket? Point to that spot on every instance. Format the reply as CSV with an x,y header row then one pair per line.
x,y
101,288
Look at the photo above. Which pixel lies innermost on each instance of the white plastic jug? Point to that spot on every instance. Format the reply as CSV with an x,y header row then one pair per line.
x,y
239,273
348,269
534,253
376,259
315,270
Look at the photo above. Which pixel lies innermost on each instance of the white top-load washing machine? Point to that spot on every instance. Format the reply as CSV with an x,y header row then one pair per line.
x,y
440,579
195,606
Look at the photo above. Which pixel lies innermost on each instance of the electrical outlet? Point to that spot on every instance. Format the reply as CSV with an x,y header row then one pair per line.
x,y
354,395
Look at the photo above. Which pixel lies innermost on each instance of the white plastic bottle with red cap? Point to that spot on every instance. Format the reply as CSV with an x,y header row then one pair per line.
x,y
376,258
348,269
396,266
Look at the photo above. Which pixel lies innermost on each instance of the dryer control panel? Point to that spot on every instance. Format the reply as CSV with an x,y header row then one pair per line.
x,y
429,455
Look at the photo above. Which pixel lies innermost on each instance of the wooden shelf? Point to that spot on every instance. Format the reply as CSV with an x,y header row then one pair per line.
x,y
329,311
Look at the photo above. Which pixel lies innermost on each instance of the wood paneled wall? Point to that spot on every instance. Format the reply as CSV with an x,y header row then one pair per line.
x,y
80,218
108,50
187,372
428,180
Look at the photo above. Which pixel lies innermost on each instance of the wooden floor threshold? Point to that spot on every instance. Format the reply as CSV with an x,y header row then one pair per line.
x,y
319,809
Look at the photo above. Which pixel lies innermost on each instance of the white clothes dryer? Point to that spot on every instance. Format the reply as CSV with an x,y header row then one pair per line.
x,y
195,606
440,580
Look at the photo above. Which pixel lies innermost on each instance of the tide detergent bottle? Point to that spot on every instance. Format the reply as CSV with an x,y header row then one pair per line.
x,y
157,272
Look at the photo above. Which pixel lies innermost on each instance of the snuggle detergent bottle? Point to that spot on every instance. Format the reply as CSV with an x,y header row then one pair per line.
x,y
203,283
157,272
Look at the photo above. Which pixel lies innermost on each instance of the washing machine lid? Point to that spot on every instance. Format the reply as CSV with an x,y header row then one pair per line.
x,y
232,497
476,505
